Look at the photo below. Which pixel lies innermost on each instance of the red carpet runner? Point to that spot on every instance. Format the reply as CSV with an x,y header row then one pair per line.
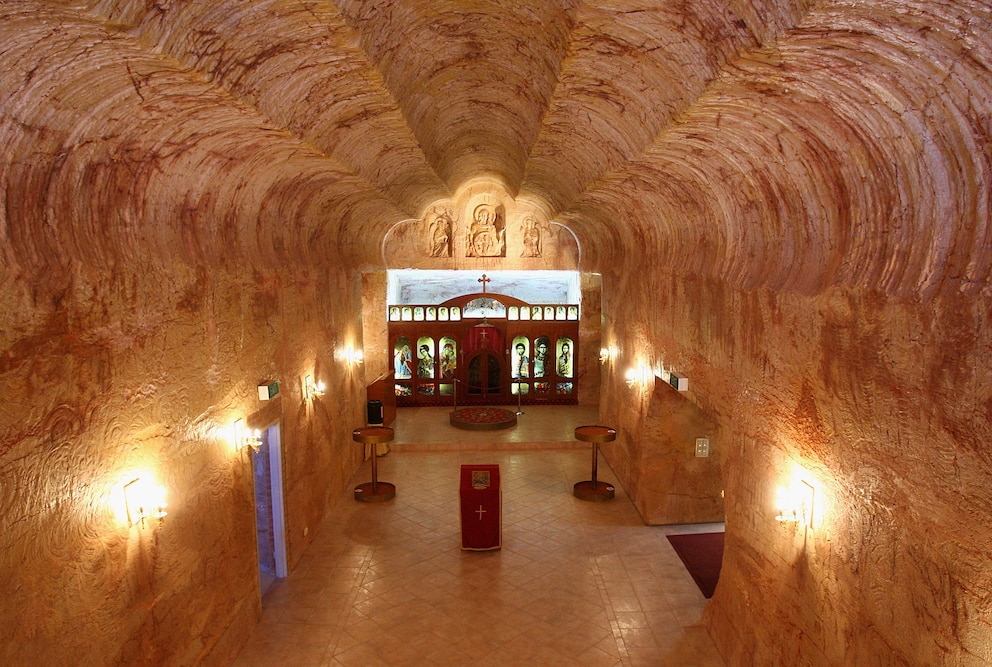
x,y
702,554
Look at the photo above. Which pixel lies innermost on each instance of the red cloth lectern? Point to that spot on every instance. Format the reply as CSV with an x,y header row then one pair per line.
x,y
481,507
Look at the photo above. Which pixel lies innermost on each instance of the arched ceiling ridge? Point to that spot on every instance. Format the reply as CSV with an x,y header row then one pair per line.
x,y
301,66
907,219
631,71
108,174
827,143
472,79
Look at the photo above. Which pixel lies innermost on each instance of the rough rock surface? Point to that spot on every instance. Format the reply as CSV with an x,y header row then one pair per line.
x,y
788,202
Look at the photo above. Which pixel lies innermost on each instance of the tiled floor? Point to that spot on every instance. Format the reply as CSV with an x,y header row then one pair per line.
x,y
575,583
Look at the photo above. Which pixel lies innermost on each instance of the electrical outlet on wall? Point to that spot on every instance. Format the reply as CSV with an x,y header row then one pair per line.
x,y
702,447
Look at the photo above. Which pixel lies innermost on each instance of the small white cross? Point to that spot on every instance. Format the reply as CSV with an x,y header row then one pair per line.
x,y
480,512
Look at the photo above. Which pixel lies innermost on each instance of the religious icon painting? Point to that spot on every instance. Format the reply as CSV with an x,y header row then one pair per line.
x,y
402,359
431,314
573,313
513,313
560,312
425,357
480,479
394,314
442,314
520,358
449,361
535,313
563,363
418,314
549,312
542,358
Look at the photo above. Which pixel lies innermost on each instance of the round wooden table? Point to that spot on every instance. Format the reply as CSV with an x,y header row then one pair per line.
x,y
374,491
593,489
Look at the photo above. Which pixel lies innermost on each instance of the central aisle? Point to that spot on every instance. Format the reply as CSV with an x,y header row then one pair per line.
x,y
574,583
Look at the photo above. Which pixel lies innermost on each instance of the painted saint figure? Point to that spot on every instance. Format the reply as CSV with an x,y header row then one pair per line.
x,y
521,365
565,361
401,363
448,361
541,356
425,362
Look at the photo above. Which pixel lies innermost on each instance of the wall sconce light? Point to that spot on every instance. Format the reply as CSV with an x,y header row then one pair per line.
x,y
245,438
353,357
607,354
795,504
639,376
143,499
311,388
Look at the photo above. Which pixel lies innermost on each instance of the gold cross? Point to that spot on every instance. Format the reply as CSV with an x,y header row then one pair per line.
x,y
484,280
480,512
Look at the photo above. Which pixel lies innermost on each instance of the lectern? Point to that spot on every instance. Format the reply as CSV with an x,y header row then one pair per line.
x,y
374,491
481,507
594,489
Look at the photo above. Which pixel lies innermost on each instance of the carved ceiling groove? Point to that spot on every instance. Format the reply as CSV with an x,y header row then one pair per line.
x,y
783,145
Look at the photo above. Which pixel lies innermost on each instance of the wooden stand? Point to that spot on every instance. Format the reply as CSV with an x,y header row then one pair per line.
x,y
593,489
374,491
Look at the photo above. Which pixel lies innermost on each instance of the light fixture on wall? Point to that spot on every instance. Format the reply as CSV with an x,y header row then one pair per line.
x,y
245,438
639,376
607,354
794,503
144,499
312,389
353,357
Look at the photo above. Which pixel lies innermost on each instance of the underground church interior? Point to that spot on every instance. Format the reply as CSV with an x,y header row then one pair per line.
x,y
272,274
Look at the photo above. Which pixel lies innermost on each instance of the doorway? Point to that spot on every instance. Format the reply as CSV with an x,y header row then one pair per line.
x,y
270,522
485,373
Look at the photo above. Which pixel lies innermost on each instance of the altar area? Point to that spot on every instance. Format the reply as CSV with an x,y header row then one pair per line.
x,y
539,427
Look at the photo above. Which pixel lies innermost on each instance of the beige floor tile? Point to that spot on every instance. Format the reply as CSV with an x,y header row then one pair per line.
x,y
574,583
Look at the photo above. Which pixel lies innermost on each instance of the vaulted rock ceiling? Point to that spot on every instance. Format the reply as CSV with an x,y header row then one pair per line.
x,y
788,145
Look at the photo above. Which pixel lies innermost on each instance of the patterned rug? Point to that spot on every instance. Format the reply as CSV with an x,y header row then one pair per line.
x,y
483,418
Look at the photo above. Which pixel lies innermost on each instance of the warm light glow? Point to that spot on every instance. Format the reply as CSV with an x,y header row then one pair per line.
x,y
795,503
608,354
354,357
143,499
641,375
311,388
245,438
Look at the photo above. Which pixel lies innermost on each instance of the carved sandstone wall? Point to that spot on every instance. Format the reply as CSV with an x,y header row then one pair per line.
x,y
884,405
114,375
788,201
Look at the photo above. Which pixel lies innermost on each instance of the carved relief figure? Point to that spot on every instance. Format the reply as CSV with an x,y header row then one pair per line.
x,y
440,234
531,238
485,232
